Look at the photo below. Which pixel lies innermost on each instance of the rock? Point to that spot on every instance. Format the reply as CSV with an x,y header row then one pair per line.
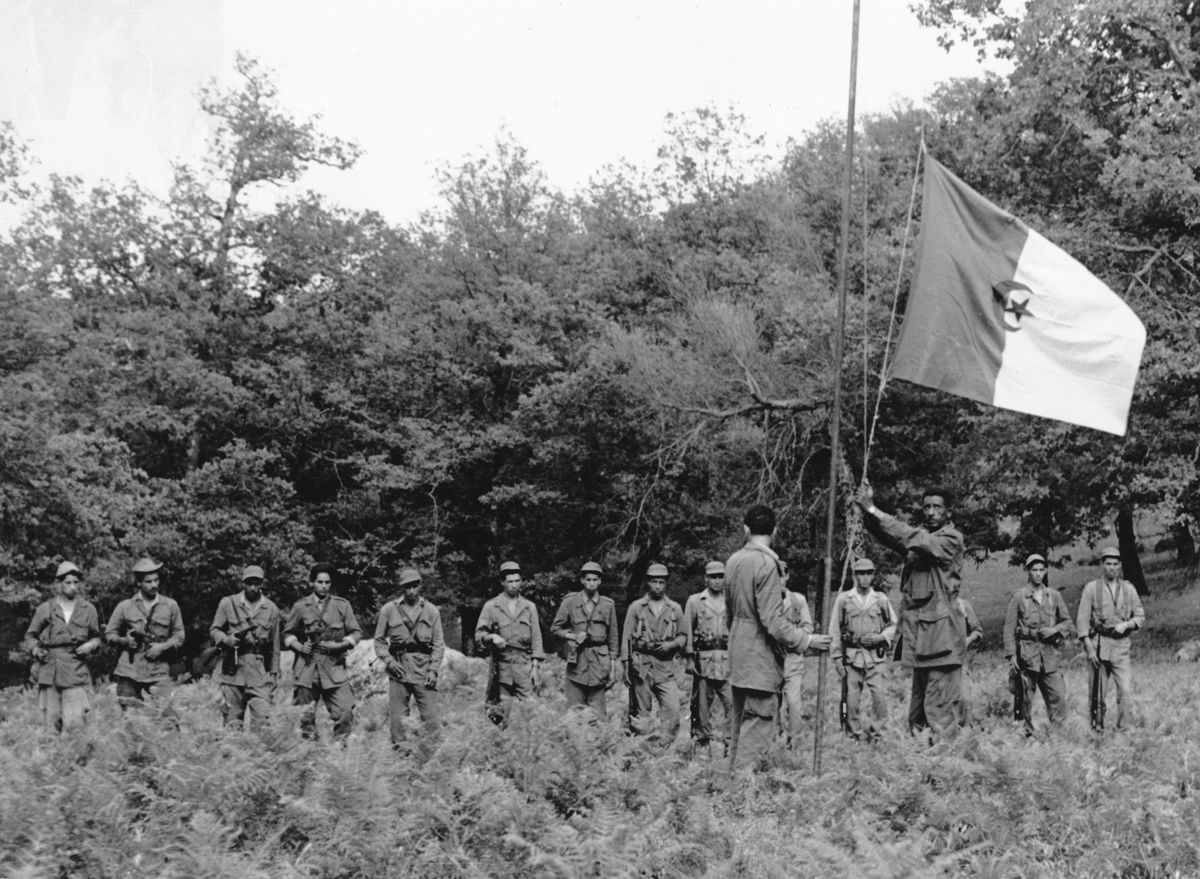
x,y
1189,651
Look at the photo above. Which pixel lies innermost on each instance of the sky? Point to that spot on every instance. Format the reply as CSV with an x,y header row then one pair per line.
x,y
106,89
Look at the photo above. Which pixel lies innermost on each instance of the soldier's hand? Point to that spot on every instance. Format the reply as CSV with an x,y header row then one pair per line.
x,y
1014,663
431,681
86,647
1047,633
1091,653
1121,627
819,643
332,646
625,674
536,676
974,638
873,640
865,496
154,651
840,669
395,669
303,648
38,652
498,642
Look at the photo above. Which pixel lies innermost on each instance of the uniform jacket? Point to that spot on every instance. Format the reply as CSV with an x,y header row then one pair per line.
x,y
1099,611
163,624
795,609
416,633
759,631
933,632
594,657
311,621
646,632
853,619
520,629
48,628
1021,624
707,634
258,663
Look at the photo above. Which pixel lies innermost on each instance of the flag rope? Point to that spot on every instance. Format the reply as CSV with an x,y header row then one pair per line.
x,y
887,343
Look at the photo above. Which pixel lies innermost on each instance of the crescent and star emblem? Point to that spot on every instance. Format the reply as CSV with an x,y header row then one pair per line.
x,y
1013,299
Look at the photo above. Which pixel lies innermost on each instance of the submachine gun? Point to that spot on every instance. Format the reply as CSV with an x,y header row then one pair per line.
x,y
243,639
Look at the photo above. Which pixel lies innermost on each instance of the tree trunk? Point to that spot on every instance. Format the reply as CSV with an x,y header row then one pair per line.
x,y
1185,545
1127,543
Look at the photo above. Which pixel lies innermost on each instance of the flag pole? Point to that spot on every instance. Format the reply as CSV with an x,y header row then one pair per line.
x,y
835,412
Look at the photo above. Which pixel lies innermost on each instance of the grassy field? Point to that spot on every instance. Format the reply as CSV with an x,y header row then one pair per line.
x,y
167,792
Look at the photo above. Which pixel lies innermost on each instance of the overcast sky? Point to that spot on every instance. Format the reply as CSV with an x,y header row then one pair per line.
x,y
107,88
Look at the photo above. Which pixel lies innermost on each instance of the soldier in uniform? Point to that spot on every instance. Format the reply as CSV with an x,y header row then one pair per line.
x,y
246,628
933,632
587,624
64,631
759,637
408,638
706,653
508,626
1035,627
1109,612
791,697
146,627
321,629
862,626
654,636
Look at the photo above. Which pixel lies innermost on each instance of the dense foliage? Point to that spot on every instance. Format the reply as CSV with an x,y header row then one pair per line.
x,y
218,379
168,793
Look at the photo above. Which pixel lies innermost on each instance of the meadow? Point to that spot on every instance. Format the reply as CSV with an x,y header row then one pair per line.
x,y
166,792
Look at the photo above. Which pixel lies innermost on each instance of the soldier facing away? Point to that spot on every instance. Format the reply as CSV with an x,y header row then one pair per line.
x,y
1109,612
862,627
246,628
64,631
587,623
408,638
146,627
654,636
508,626
707,654
1035,627
321,629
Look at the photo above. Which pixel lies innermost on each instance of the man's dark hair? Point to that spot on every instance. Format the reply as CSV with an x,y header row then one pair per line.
x,y
941,491
317,569
760,519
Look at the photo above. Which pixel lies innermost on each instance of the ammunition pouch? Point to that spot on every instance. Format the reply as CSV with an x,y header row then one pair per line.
x,y
398,650
1110,632
712,643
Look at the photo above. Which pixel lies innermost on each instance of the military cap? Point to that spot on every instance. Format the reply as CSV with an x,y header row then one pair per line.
x,y
714,568
656,570
67,568
146,566
1034,559
864,566
509,568
1110,552
409,576
591,568
253,572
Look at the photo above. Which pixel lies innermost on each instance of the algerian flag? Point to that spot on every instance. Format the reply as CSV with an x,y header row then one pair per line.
x,y
998,314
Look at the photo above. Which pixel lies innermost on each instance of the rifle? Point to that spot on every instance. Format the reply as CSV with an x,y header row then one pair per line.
x,y
491,699
241,636
1096,696
844,704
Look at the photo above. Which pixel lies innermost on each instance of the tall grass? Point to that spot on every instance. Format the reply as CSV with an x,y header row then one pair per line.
x,y
167,792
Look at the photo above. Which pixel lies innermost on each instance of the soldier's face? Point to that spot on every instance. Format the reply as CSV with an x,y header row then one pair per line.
x,y
1037,574
321,584
657,586
252,588
412,592
933,508
716,582
863,579
149,584
512,585
1112,568
68,586
591,583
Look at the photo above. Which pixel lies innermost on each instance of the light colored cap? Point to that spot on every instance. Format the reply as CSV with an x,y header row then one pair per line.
x,y
1034,559
591,568
656,570
1110,552
713,568
864,566
146,566
253,572
409,576
67,568
509,568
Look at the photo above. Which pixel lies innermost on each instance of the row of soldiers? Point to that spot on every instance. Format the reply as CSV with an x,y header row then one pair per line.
x,y
743,649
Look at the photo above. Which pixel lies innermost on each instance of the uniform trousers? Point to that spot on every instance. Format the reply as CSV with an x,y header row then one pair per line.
x,y
63,707
594,696
936,701
339,702
642,696
754,726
